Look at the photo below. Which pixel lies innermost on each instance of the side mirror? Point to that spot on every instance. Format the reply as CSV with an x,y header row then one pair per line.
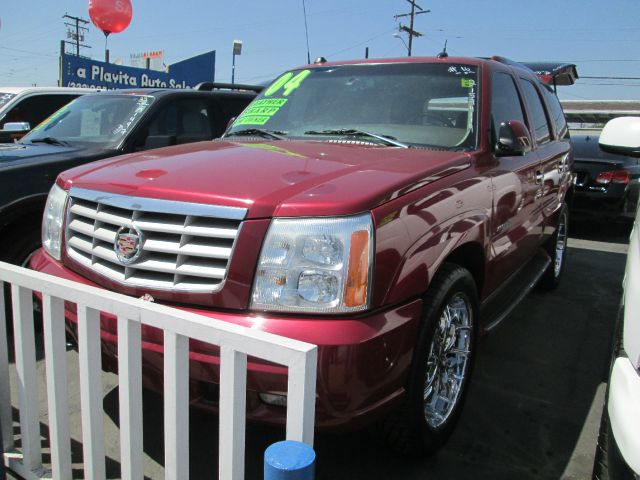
x,y
16,127
621,135
514,139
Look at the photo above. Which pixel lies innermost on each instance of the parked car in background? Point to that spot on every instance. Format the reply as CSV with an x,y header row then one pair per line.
x,y
22,108
388,211
93,127
618,452
607,182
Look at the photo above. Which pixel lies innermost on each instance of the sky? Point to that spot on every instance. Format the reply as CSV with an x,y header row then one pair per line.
x,y
601,37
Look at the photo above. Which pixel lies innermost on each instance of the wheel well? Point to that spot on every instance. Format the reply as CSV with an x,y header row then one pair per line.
x,y
20,237
471,257
29,220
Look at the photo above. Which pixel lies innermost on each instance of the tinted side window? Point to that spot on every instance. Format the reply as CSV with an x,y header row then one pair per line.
x,y
536,110
36,109
224,108
187,120
557,114
505,102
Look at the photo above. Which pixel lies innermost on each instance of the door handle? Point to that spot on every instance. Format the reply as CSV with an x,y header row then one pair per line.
x,y
562,164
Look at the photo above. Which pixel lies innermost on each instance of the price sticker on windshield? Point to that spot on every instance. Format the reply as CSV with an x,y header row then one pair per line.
x,y
261,111
288,83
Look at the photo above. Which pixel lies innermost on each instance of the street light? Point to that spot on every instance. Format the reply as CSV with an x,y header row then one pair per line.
x,y
397,35
237,50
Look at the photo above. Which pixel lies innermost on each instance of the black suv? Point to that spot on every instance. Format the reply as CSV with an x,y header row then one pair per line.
x,y
97,126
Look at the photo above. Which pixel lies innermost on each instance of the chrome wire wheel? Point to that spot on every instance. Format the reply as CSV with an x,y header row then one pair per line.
x,y
448,361
561,244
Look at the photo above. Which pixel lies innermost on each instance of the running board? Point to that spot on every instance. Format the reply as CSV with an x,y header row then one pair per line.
x,y
500,304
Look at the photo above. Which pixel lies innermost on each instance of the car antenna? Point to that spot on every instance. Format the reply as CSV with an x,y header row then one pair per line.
x,y
443,53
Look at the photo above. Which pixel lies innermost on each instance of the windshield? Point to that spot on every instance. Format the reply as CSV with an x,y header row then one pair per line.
x,y
417,104
98,120
5,98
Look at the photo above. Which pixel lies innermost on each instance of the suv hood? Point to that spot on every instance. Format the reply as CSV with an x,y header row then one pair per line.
x,y
271,178
14,153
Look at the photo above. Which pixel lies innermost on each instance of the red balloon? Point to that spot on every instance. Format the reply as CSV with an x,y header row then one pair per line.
x,y
110,16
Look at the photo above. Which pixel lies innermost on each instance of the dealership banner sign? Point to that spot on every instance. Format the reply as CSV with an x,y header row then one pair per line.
x,y
84,72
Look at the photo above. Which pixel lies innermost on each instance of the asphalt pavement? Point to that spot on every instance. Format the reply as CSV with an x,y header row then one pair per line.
x,y
532,411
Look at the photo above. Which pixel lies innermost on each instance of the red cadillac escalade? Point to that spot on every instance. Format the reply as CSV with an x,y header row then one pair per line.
x,y
388,211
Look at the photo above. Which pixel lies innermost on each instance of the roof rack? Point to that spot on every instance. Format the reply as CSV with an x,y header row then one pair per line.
x,y
507,61
208,86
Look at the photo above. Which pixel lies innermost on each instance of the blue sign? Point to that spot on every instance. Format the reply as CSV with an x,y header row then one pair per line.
x,y
84,72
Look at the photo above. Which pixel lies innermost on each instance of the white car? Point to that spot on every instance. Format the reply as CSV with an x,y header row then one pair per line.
x,y
22,108
618,451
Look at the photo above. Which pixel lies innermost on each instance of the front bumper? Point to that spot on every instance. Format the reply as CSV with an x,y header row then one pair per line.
x,y
624,410
363,361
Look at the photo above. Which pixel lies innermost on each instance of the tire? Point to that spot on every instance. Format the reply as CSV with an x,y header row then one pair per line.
x,y
600,462
556,247
609,463
424,422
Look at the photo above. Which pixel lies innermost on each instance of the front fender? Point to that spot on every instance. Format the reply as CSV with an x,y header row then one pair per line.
x,y
415,236
421,261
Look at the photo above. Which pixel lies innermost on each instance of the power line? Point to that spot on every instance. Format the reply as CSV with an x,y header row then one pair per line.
x,y
386,32
611,78
28,52
608,60
614,84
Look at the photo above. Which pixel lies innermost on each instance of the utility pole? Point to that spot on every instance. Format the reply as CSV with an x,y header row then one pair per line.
x,y
77,37
409,30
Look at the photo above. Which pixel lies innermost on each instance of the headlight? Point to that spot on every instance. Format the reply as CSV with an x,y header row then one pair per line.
x,y
319,265
53,220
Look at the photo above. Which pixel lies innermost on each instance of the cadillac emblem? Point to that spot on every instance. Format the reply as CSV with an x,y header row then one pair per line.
x,y
128,244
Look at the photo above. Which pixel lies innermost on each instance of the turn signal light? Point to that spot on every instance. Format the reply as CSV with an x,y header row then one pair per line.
x,y
355,293
613,176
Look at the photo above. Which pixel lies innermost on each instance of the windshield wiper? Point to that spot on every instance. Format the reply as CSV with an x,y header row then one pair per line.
x,y
278,135
352,132
50,141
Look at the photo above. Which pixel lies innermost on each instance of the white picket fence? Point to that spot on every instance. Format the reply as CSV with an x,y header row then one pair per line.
x,y
235,343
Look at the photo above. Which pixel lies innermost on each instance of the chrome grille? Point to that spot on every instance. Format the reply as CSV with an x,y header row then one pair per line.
x,y
185,246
